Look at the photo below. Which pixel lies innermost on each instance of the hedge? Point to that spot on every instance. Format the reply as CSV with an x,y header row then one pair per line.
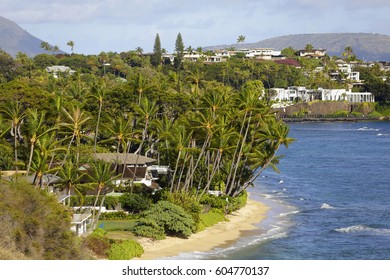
x,y
125,250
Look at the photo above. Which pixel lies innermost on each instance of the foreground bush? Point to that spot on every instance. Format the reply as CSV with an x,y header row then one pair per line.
x,y
98,243
134,202
125,250
33,225
165,218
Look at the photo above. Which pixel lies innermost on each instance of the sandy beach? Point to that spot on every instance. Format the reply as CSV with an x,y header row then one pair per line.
x,y
217,236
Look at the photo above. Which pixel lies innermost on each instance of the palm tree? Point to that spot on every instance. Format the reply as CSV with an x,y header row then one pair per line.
x,y
221,144
98,93
195,76
14,113
35,129
101,178
77,89
75,121
141,85
71,45
70,177
47,149
247,103
182,138
241,39
121,130
146,111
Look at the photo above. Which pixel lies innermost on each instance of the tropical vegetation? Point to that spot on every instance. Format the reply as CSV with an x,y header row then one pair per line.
x,y
212,124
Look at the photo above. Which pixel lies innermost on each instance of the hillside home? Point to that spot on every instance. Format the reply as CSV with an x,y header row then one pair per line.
x,y
260,53
306,95
315,53
56,70
345,72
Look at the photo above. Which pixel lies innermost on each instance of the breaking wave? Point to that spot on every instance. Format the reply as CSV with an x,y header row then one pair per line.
x,y
363,229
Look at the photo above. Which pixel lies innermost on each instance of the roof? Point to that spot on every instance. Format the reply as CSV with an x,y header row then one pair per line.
x,y
59,68
80,218
124,158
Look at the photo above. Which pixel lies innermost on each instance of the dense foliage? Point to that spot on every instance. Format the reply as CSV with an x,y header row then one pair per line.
x,y
34,225
165,218
125,250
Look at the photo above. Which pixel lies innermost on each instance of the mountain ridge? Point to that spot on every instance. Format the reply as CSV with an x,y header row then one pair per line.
x,y
367,46
14,39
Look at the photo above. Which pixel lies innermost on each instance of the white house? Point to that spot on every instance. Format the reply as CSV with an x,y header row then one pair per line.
x,y
315,53
293,93
55,69
260,53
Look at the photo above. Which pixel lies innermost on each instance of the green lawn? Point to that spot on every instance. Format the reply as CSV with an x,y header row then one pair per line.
x,y
117,225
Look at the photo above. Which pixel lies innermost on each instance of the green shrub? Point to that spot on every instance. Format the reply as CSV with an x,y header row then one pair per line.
x,y
165,218
134,202
214,201
236,203
98,232
375,114
98,244
186,201
125,250
341,114
110,202
212,217
357,114
119,215
149,228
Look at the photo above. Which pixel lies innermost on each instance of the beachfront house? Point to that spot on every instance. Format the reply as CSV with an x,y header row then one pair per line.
x,y
291,94
134,167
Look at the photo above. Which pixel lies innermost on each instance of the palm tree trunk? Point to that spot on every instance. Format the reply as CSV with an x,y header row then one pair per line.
x,y
239,156
174,172
30,158
235,153
205,144
97,127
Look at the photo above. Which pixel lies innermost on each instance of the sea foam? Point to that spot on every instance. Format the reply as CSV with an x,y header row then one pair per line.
x,y
326,206
364,230
367,129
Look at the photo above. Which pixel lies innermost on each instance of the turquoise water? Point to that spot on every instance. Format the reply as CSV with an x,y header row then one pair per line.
x,y
330,201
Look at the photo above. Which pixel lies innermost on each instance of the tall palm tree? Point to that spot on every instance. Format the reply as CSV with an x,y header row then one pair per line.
x,y
141,84
35,129
14,112
98,93
71,45
77,89
181,137
101,177
146,112
241,39
121,131
75,121
47,148
70,177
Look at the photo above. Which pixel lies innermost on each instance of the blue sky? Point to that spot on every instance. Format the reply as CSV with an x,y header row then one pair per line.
x,y
123,25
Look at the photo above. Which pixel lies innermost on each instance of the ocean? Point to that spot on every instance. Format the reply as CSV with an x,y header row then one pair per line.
x,y
330,201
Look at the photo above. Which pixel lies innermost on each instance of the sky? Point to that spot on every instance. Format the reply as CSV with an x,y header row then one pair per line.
x,y
122,25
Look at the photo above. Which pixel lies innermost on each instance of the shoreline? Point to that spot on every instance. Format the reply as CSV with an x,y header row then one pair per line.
x,y
220,235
